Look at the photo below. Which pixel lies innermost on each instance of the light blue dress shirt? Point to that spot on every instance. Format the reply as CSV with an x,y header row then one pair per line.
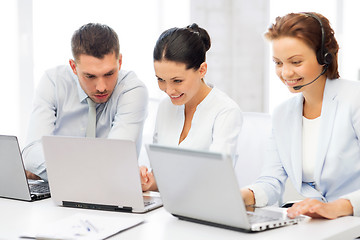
x,y
60,108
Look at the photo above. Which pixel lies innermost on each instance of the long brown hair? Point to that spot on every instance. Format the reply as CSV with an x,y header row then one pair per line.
x,y
306,28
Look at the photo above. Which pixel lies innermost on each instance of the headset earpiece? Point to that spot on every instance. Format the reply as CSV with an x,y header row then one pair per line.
x,y
328,57
324,58
322,55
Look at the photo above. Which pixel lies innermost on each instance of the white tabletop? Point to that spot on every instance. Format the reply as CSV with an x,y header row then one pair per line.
x,y
18,217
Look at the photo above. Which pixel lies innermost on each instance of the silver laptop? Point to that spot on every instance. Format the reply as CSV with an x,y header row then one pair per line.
x,y
202,187
95,173
13,181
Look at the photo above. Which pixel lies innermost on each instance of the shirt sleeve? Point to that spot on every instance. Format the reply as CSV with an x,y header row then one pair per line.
x,y
354,199
269,187
226,132
130,116
261,198
42,122
156,134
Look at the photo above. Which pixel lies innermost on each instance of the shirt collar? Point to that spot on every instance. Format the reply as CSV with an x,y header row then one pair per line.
x,y
82,95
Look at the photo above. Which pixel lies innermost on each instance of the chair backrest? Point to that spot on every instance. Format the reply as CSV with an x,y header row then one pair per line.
x,y
148,132
252,146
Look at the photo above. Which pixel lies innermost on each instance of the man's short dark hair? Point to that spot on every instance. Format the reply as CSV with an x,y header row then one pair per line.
x,y
95,40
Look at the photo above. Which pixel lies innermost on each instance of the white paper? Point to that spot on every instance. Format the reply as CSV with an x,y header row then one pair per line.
x,y
85,226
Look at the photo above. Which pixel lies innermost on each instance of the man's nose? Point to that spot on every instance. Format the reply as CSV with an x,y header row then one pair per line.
x,y
101,85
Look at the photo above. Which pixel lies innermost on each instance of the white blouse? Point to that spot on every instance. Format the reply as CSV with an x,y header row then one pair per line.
x,y
310,142
215,126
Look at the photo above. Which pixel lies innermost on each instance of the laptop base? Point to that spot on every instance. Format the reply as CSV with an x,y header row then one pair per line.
x,y
212,224
96,206
253,230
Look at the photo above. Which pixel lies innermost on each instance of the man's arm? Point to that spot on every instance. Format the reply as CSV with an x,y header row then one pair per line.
x,y
130,116
42,122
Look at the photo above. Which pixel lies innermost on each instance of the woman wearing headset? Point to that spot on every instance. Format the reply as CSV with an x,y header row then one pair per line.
x,y
195,115
316,134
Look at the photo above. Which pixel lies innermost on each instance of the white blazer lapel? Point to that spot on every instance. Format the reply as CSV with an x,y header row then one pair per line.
x,y
328,113
296,146
296,142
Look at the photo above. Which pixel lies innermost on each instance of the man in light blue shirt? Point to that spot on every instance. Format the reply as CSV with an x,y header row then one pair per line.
x,y
60,103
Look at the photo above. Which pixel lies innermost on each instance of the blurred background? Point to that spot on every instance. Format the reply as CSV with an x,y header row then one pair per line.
x,y
35,35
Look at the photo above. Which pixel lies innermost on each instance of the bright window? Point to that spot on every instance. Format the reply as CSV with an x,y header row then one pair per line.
x,y
9,98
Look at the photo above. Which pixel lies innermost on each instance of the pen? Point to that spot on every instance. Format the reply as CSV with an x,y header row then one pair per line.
x,y
89,226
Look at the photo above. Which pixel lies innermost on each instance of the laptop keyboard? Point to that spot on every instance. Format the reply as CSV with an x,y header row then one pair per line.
x,y
39,188
148,203
257,218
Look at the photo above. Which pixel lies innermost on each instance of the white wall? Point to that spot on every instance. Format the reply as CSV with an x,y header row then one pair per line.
x,y
9,67
348,23
36,35
237,59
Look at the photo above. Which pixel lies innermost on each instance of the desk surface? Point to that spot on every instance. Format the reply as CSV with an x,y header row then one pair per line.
x,y
18,217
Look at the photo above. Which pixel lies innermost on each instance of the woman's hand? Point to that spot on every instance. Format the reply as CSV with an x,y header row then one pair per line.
x,y
148,182
248,196
317,209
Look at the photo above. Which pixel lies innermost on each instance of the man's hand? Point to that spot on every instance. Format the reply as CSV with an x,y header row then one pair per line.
x,y
317,209
147,180
30,175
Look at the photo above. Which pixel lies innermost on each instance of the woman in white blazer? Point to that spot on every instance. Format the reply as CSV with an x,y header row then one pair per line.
x,y
195,114
315,141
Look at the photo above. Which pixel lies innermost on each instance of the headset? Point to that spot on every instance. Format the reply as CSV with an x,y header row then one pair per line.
x,y
322,55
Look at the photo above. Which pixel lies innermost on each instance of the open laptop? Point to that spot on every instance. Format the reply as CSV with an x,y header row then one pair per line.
x,y
95,173
13,181
202,187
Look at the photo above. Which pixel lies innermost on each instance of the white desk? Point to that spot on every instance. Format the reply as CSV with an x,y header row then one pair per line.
x,y
17,217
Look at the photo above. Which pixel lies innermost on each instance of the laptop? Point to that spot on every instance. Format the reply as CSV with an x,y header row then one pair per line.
x,y
95,173
201,187
13,181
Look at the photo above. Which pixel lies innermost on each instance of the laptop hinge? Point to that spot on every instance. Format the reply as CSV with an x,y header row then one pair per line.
x,y
39,196
97,206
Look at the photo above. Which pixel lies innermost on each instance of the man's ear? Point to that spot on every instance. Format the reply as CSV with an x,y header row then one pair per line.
x,y
73,66
120,60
